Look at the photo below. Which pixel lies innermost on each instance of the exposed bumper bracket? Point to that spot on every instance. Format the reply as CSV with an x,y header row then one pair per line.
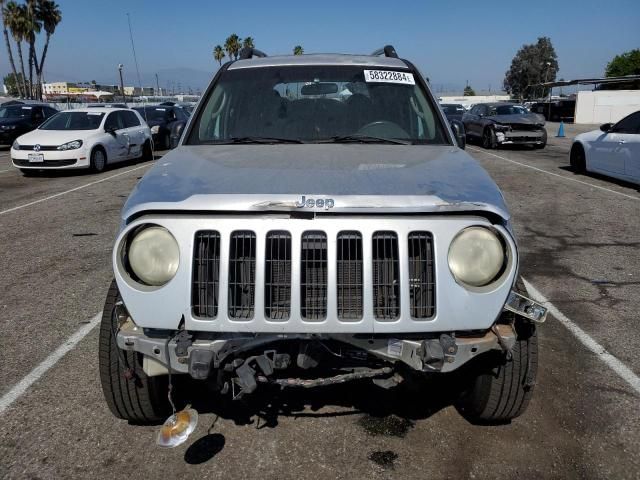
x,y
525,307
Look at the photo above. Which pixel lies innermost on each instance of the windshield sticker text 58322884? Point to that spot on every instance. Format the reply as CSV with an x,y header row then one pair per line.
x,y
389,76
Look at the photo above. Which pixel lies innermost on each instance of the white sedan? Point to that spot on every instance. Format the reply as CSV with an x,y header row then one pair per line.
x,y
614,150
83,138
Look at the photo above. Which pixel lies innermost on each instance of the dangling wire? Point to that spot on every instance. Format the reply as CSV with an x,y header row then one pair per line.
x,y
170,389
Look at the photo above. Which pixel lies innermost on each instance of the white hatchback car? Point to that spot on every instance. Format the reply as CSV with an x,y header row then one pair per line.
x,y
83,138
613,150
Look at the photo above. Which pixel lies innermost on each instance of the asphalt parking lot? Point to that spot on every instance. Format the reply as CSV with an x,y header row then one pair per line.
x,y
580,245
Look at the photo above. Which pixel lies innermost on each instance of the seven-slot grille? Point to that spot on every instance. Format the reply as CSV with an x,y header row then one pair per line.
x,y
385,282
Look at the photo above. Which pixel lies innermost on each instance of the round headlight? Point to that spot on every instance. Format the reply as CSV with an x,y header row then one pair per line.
x,y
154,256
476,256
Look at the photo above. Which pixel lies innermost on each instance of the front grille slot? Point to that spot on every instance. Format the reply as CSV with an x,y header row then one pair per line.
x,y
313,276
206,274
421,275
349,269
242,274
386,276
277,286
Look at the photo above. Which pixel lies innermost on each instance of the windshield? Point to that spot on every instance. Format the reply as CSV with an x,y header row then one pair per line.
x,y
452,109
73,121
509,110
317,104
15,111
152,113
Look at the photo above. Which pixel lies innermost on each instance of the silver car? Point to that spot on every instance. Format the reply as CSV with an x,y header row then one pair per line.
x,y
317,224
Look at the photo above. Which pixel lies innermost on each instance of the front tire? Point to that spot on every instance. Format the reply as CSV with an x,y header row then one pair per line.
x,y
577,159
98,161
501,390
489,140
27,172
139,399
147,152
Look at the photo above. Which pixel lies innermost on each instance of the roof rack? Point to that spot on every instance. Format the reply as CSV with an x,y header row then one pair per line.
x,y
250,53
388,51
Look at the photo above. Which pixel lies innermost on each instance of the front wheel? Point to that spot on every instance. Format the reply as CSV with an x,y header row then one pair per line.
x,y
489,140
98,160
577,159
501,389
128,391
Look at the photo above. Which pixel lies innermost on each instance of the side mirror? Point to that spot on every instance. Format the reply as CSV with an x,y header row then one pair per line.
x,y
110,130
606,127
458,130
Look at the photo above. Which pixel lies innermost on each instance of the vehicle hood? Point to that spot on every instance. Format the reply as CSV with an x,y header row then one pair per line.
x,y
53,137
359,178
530,119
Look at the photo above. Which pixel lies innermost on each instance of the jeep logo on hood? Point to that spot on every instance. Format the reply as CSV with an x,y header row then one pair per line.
x,y
325,203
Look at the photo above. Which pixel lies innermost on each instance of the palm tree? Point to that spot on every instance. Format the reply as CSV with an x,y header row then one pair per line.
x,y
34,25
49,14
14,15
298,50
218,54
248,43
232,46
5,28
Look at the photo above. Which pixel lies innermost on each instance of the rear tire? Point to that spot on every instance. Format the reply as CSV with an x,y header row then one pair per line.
x,y
98,160
141,399
500,391
577,159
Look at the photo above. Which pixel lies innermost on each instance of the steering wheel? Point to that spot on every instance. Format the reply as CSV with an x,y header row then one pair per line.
x,y
384,129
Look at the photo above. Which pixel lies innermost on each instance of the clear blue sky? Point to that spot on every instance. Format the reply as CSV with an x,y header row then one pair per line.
x,y
450,41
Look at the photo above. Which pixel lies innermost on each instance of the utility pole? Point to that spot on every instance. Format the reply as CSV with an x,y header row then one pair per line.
x,y
158,92
124,99
546,75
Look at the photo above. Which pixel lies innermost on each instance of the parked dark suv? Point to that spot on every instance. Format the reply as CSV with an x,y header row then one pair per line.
x,y
19,118
166,124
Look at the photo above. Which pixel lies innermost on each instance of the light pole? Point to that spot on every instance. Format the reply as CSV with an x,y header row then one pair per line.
x,y
546,75
158,92
124,99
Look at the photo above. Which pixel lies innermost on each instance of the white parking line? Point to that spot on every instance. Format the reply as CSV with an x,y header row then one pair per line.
x,y
18,390
555,174
7,170
612,362
50,197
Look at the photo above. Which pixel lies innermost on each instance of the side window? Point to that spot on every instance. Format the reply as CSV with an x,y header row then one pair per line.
x,y
37,114
630,124
114,121
130,119
474,110
483,110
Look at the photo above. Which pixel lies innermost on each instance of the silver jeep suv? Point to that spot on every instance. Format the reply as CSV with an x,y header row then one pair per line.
x,y
317,224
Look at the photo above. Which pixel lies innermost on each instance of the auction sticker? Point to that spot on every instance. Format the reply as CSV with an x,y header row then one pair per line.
x,y
389,76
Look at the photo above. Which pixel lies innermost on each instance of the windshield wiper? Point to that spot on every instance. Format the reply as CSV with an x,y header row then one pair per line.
x,y
258,140
357,138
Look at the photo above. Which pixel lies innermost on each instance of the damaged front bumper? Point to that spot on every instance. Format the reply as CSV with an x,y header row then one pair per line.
x,y
200,353
521,137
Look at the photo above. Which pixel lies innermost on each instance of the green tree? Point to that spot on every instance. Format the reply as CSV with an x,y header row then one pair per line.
x,y
248,42
13,82
627,63
218,54
469,92
15,16
232,46
533,64
5,28
48,13
298,50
